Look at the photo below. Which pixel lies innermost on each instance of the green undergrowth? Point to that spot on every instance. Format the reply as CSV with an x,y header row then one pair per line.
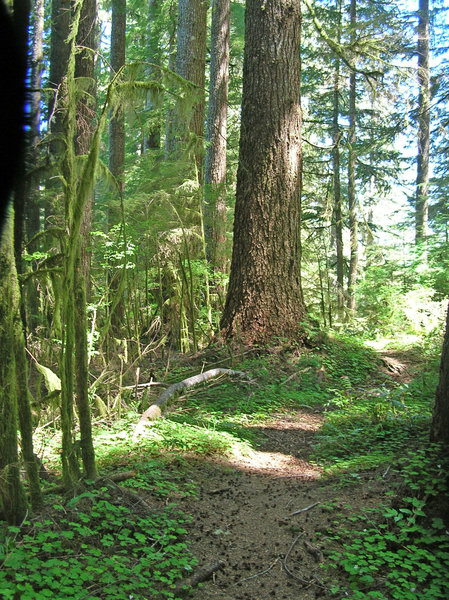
x,y
399,550
99,544
369,426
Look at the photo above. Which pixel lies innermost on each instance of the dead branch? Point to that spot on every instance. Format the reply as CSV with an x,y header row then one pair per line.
x,y
301,510
175,390
184,587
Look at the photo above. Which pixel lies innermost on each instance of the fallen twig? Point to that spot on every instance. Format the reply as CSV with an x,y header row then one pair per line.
x,y
301,510
284,562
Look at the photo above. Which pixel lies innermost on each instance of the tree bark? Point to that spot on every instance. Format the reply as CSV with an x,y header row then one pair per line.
x,y
422,176
440,421
59,56
31,181
12,496
190,64
264,298
352,198
117,151
86,111
215,166
152,135
336,135
117,121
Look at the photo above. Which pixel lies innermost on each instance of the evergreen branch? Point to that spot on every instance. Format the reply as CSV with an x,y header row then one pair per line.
x,y
339,49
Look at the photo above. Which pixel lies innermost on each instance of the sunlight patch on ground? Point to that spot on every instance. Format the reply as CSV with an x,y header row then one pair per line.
x,y
383,343
275,464
282,464
301,421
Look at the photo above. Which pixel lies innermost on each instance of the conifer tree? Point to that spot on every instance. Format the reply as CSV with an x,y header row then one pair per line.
x,y
215,166
423,158
264,297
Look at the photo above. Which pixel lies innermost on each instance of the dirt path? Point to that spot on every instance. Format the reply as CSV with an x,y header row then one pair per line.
x,y
243,515
243,512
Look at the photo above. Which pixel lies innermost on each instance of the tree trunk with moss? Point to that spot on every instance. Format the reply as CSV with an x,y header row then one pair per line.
x,y
117,160
264,298
191,64
78,193
215,166
12,496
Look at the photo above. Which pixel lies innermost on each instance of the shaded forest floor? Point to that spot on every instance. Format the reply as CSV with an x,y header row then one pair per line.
x,y
315,478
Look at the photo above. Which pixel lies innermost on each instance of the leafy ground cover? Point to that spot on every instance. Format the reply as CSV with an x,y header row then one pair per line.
x,y
314,478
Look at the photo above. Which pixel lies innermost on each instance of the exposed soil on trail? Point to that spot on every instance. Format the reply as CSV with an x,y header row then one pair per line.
x,y
244,513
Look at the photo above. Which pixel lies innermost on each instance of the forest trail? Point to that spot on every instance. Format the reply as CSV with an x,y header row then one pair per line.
x,y
243,513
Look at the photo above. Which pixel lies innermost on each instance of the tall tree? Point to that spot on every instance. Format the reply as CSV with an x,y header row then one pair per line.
x,y
264,296
79,121
352,197
191,64
422,175
336,135
152,138
117,121
13,502
216,135
86,113
32,219
59,56
117,144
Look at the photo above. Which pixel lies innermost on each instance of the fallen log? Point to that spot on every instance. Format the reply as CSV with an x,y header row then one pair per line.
x,y
154,411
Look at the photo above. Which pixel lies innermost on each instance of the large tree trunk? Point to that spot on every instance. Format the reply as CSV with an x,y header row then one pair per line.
x,y
59,56
117,121
152,135
32,220
440,421
79,126
215,166
352,199
422,176
264,298
31,182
